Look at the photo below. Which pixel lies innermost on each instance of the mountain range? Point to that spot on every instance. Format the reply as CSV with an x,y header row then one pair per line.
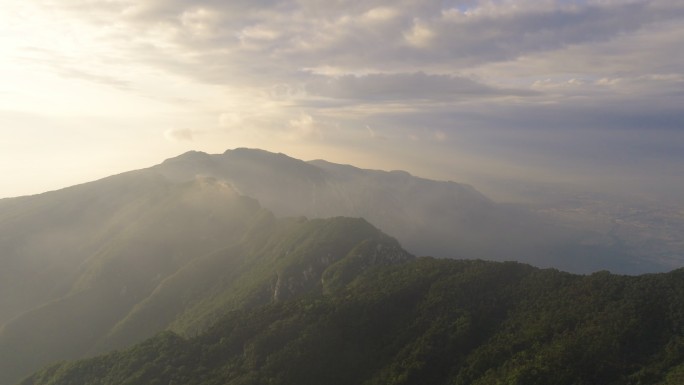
x,y
201,239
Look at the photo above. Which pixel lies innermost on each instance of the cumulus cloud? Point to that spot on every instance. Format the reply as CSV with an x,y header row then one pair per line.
x,y
179,134
303,126
420,35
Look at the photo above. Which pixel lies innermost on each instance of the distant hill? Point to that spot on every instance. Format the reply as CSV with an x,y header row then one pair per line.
x,y
426,321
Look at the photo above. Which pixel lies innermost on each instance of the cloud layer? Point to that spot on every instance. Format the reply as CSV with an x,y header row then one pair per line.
x,y
511,80
380,51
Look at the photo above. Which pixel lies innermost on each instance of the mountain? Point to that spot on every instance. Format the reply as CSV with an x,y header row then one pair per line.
x,y
426,321
437,218
106,264
177,246
428,217
201,244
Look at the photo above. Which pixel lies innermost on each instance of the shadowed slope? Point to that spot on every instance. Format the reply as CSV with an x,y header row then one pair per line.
x,y
103,256
145,254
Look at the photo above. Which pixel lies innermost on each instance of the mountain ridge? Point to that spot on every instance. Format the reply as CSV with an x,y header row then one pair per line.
x,y
439,218
444,219
426,321
229,250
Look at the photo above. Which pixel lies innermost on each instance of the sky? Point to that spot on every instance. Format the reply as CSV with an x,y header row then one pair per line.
x,y
581,92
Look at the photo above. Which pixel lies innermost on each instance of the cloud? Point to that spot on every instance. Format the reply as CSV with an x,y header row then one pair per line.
x,y
420,35
501,76
403,86
440,136
103,79
381,51
372,134
230,120
303,126
179,135
257,42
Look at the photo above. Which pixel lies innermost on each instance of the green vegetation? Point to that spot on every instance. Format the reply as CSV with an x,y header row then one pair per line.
x,y
243,297
425,321
179,258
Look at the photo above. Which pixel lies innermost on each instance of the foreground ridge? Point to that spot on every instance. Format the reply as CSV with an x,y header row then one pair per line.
x,y
426,321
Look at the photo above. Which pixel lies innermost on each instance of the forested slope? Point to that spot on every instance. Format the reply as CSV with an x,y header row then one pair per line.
x,y
165,256
427,322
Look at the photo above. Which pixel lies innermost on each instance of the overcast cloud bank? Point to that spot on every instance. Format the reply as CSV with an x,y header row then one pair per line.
x,y
572,89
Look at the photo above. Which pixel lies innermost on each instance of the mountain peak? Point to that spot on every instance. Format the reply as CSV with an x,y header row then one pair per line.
x,y
256,153
190,156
